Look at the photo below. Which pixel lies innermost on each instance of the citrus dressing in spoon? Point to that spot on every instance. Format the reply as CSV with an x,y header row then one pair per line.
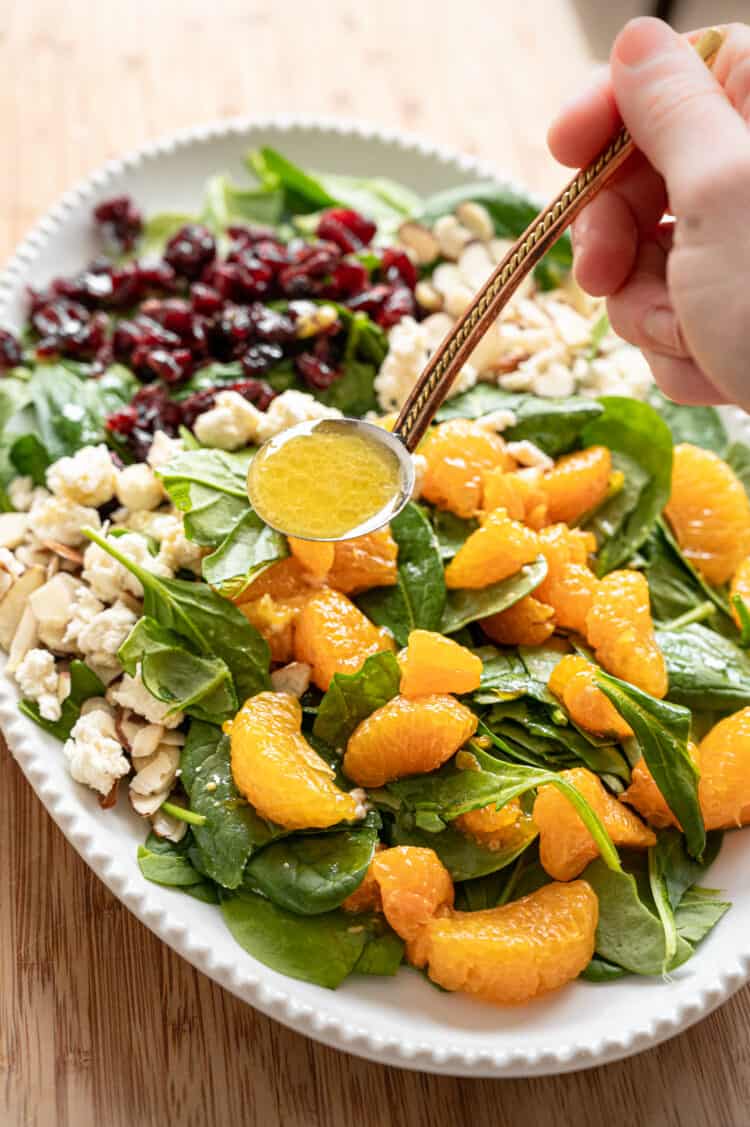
x,y
330,479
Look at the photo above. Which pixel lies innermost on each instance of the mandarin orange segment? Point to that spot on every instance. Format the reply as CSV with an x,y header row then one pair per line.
x,y
577,483
414,887
514,953
565,845
573,682
741,587
645,796
569,585
724,760
528,622
364,562
499,548
709,512
620,628
407,737
520,494
367,897
497,829
316,556
333,636
277,771
273,601
432,663
457,454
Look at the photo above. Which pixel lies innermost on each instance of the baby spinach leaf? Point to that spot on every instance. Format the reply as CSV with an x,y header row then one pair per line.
x,y
634,431
680,871
171,868
698,913
351,697
30,458
628,933
662,732
202,740
209,487
248,550
599,970
418,598
505,676
463,857
365,348
451,531
227,203
382,955
312,873
705,670
321,949
159,228
554,425
467,605
660,897
742,611
84,683
738,457
715,594
701,426
215,626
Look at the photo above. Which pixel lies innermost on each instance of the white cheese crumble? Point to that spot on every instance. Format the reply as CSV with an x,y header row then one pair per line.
x,y
410,345
163,449
23,493
58,518
138,487
88,477
39,680
230,424
108,578
290,408
94,753
100,638
131,693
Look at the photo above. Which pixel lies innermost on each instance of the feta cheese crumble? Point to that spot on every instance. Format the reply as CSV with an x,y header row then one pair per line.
x,y
39,680
94,753
131,693
108,578
58,518
88,477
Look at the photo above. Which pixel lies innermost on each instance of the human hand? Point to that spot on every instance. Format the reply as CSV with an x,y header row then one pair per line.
x,y
679,290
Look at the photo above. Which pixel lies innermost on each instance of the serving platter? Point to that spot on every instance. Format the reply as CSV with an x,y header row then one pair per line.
x,y
402,1021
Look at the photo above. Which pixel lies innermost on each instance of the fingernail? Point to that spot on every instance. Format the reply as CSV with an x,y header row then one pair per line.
x,y
641,40
663,330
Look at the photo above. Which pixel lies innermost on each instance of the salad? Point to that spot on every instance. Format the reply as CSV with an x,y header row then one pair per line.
x,y
500,739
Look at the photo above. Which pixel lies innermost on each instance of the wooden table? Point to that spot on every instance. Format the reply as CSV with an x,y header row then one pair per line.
x,y
99,1022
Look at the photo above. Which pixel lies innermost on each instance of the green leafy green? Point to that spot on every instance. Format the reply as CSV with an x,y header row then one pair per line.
x,y
215,626
702,426
312,873
169,863
227,203
705,670
210,488
742,611
679,870
418,597
84,684
202,741
633,431
451,531
554,425
738,457
245,552
662,730
383,954
506,676
159,228
30,458
463,857
466,605
351,697
599,970
698,912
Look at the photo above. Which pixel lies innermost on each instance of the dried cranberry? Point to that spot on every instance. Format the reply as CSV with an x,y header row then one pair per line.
x,y
154,335
123,422
190,250
173,313
316,373
347,228
347,279
248,236
11,353
254,277
255,391
205,299
398,268
315,261
66,328
398,304
224,277
158,276
260,358
271,325
171,367
150,410
125,339
103,358
119,221
59,317
370,301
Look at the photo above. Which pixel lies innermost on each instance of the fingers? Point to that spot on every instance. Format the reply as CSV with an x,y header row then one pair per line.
x,y
682,381
674,107
585,125
732,68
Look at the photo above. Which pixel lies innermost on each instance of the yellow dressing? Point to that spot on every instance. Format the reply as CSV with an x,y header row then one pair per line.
x,y
324,484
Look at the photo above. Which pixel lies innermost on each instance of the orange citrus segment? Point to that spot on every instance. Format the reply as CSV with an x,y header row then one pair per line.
x,y
514,953
277,771
333,636
572,681
316,556
366,898
528,622
434,664
414,887
577,483
724,760
364,562
520,494
709,512
273,601
496,829
457,454
499,548
620,628
407,737
565,845
569,585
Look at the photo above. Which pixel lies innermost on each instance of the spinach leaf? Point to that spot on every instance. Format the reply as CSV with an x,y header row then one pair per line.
x,y
715,594
214,625
312,873
738,457
451,531
202,740
383,954
418,598
210,488
467,605
463,857
506,676
173,868
554,425
351,697
232,830
321,949
159,228
248,550
30,458
634,430
628,933
680,871
84,684
365,349
742,611
660,897
599,970
662,732
705,670
511,214
226,203
698,912
702,426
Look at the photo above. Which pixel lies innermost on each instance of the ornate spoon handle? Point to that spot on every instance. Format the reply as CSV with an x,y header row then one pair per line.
x,y
444,365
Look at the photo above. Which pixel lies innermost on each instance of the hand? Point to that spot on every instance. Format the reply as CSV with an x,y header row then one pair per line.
x,y
678,290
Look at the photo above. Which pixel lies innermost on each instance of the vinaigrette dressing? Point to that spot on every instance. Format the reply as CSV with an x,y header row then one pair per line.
x,y
325,484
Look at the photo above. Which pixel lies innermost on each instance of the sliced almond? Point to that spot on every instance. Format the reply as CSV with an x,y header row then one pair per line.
x,y
24,639
451,235
174,737
15,601
13,529
64,550
164,825
420,241
293,678
147,804
428,297
146,741
159,774
477,219
475,264
96,704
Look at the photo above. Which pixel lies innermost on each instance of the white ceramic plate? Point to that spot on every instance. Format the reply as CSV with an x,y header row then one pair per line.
x,y
402,1021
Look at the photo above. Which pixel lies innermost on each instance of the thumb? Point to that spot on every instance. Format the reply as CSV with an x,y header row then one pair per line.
x,y
677,113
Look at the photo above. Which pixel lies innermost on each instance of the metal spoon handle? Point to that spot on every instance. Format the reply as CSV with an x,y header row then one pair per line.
x,y
444,365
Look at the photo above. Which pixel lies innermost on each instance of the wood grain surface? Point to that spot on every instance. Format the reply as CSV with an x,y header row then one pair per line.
x,y
99,1022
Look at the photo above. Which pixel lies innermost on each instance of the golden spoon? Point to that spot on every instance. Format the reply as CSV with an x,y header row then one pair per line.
x,y
444,365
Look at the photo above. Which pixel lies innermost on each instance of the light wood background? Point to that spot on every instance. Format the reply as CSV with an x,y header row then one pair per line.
x,y
99,1022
